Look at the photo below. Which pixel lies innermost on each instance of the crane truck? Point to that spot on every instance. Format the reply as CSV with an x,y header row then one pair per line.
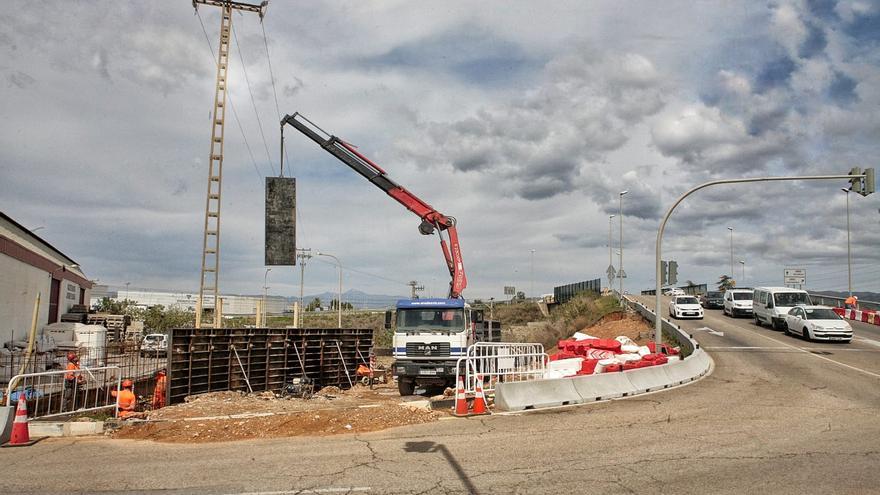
x,y
430,334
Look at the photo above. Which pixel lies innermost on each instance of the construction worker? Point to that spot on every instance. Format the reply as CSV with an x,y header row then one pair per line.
x,y
126,401
73,381
851,302
159,392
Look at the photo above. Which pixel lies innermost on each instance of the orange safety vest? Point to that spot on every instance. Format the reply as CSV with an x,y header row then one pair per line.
x,y
70,375
850,300
126,400
159,393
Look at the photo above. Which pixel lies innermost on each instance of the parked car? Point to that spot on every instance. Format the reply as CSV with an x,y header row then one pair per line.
x,y
674,292
817,322
685,307
712,299
772,304
155,345
737,302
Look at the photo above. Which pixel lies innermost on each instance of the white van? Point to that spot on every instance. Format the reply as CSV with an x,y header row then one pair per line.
x,y
738,302
771,304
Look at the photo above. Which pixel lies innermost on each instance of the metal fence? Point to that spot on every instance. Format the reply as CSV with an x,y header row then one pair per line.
x,y
59,393
691,290
499,362
565,293
837,302
127,357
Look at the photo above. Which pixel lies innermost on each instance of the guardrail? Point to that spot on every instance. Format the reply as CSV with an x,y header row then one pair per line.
x,y
683,339
837,302
57,393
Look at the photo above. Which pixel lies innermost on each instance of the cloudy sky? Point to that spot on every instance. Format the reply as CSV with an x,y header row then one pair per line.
x,y
523,121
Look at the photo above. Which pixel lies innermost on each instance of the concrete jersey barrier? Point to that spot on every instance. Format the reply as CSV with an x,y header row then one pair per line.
x,y
518,396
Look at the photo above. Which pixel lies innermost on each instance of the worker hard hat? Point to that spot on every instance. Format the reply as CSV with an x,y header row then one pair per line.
x,y
161,372
127,383
856,298
71,356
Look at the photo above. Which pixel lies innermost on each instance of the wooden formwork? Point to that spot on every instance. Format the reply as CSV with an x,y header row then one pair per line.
x,y
204,359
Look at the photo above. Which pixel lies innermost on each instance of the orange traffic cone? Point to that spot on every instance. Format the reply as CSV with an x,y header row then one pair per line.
x,y
480,399
20,435
461,405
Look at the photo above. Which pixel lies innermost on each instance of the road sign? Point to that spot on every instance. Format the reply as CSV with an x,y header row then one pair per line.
x,y
509,290
621,274
611,272
795,276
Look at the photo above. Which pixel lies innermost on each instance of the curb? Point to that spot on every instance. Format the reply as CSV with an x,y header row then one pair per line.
x,y
65,429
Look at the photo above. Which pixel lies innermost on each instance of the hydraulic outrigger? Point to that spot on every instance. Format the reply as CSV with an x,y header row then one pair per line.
x,y
431,219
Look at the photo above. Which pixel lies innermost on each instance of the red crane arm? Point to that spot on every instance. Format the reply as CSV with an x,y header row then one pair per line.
x,y
431,218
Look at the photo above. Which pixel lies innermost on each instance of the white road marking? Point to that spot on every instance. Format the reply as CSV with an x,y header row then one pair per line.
x,y
316,490
713,332
867,341
744,347
869,373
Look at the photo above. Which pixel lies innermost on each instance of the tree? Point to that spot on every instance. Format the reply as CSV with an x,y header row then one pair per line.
x,y
160,320
726,282
315,304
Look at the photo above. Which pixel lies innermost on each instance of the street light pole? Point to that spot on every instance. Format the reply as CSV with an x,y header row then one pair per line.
x,y
743,263
532,289
265,296
620,272
848,249
658,328
610,259
731,251
339,299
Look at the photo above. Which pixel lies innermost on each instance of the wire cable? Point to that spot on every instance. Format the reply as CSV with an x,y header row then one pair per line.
x,y
253,101
229,97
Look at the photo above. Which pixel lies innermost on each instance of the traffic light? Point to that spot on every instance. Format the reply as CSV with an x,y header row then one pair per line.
x,y
673,272
663,277
856,184
868,187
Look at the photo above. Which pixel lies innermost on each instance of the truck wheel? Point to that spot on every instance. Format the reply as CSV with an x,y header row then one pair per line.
x,y
406,386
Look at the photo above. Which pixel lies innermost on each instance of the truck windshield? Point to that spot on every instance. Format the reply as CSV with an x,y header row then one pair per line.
x,y
742,296
428,320
787,299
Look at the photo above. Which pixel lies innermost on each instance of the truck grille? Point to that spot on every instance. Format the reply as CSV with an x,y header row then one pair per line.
x,y
430,349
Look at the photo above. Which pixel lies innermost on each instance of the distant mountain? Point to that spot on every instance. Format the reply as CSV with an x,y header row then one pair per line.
x,y
863,296
358,299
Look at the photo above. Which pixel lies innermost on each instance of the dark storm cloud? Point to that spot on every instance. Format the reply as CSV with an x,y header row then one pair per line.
x,y
20,80
471,52
814,44
842,89
775,73
541,144
583,240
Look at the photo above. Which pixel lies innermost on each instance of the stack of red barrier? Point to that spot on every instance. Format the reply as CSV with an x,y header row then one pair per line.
x,y
594,350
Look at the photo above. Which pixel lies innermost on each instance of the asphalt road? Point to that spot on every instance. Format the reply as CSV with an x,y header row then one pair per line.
x,y
776,415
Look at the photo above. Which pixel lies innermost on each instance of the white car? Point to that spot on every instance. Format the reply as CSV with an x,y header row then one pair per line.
x,y
817,322
738,302
674,292
685,307
154,345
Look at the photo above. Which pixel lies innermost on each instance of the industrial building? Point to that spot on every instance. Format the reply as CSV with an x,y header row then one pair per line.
x,y
29,266
233,304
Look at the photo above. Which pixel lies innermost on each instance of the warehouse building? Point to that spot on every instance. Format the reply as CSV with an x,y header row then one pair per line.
x,y
30,266
233,304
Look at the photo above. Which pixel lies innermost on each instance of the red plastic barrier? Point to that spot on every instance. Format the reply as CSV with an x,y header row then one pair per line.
x,y
563,355
665,349
588,366
613,367
839,311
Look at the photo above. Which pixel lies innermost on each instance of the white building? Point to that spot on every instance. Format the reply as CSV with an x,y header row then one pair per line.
x,y
30,266
232,304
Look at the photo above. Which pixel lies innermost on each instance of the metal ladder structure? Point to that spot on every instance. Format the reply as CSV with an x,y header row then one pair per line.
x,y
210,274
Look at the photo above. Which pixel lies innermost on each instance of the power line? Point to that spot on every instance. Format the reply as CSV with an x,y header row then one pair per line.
x,y
231,104
253,101
346,268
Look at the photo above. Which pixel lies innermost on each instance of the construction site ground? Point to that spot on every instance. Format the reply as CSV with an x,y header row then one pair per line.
x,y
226,416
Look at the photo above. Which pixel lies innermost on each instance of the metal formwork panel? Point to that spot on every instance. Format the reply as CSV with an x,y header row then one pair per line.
x,y
212,359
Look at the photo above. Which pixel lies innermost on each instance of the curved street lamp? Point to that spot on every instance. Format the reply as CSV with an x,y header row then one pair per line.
x,y
339,299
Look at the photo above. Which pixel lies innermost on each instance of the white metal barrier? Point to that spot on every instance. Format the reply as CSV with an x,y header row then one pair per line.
x,y
498,362
55,393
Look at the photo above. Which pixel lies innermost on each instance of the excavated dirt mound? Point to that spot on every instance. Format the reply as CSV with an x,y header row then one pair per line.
x,y
224,416
617,324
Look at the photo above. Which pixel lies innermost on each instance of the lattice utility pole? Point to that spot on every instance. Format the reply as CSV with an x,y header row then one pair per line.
x,y
414,285
303,255
210,275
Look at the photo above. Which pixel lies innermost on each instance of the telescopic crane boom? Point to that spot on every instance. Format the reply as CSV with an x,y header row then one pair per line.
x,y
431,219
